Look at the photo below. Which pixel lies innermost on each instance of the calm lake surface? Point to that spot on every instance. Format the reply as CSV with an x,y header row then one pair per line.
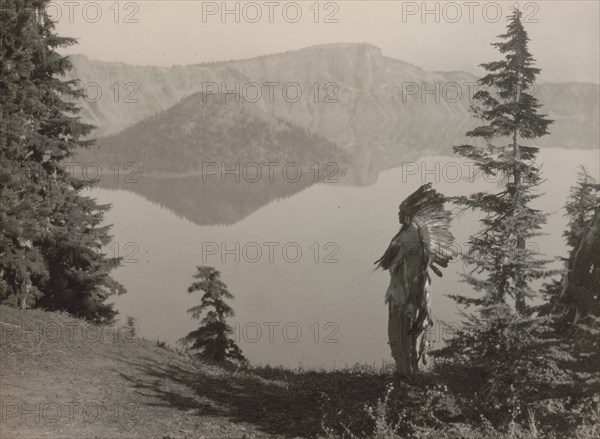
x,y
321,307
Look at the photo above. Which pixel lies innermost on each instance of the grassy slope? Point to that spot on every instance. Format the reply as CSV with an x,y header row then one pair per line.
x,y
75,384
117,387
131,388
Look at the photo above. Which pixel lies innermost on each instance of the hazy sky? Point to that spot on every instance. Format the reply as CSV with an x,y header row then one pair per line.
x,y
564,35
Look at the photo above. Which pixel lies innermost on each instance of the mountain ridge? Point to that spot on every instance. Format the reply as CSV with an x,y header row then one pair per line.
x,y
371,88
203,129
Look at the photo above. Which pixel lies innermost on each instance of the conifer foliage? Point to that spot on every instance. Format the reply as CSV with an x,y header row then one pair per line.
x,y
575,299
504,263
212,340
51,235
507,361
584,200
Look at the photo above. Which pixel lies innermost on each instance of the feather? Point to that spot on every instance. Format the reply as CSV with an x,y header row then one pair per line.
x,y
436,270
390,254
426,206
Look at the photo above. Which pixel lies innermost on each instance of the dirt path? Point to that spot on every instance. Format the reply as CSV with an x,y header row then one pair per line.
x,y
61,378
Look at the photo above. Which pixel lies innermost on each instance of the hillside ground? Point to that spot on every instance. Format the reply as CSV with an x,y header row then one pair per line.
x,y
61,377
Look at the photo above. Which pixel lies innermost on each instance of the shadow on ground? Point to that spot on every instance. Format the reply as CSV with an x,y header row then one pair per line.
x,y
277,401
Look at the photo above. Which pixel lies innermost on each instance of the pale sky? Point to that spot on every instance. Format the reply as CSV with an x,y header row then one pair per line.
x,y
565,37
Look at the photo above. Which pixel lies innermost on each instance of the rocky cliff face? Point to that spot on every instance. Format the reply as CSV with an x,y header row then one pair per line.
x,y
290,107
348,91
382,110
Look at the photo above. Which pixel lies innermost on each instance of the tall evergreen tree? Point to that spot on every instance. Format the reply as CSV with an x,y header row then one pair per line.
x,y
584,198
504,359
574,299
581,205
212,340
503,265
51,235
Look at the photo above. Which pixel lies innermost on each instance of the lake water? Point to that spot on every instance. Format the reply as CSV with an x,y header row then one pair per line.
x,y
323,307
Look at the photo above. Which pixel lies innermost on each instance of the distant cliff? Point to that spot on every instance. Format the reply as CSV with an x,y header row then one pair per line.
x,y
371,90
382,110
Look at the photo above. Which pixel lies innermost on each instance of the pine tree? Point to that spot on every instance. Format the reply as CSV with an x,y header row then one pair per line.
x,y
584,197
574,299
212,340
510,112
51,235
505,359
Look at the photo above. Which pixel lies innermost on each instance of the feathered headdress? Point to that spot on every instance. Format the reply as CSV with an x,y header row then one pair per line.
x,y
426,208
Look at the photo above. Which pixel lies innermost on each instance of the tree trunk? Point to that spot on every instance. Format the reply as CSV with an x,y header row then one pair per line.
x,y
520,305
221,337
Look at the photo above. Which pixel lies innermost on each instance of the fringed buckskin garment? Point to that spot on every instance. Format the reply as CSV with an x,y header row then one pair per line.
x,y
423,240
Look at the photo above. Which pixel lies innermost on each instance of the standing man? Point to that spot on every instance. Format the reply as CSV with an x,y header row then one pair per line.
x,y
424,238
